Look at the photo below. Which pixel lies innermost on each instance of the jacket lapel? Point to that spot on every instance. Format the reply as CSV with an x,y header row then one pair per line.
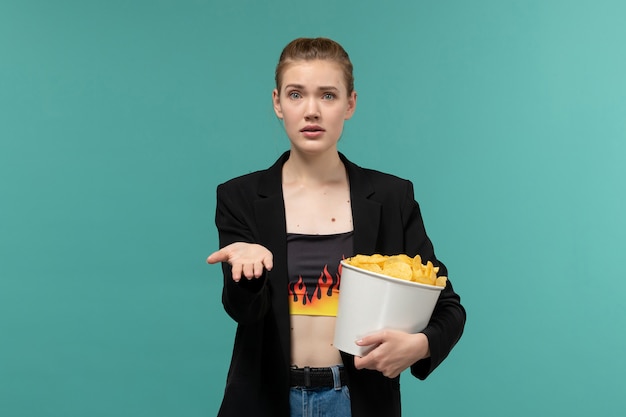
x,y
365,212
269,209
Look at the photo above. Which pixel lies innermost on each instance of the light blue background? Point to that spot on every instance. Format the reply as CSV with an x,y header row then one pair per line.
x,y
119,118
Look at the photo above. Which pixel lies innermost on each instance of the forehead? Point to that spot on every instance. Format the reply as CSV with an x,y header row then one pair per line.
x,y
313,74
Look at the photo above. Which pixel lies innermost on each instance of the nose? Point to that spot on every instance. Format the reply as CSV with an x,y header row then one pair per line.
x,y
312,111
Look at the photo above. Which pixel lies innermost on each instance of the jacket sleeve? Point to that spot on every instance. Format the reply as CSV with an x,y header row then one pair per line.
x,y
246,301
448,319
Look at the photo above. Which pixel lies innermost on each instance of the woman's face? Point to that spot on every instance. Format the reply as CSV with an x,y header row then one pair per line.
x,y
313,103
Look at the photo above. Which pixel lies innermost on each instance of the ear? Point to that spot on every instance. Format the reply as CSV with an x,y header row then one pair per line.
x,y
351,105
276,102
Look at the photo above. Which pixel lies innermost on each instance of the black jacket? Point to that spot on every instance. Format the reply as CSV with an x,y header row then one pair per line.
x,y
386,220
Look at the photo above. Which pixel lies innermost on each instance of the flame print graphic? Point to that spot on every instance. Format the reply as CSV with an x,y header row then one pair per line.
x,y
319,299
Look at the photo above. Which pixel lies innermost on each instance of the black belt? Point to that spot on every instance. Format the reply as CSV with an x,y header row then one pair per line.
x,y
316,377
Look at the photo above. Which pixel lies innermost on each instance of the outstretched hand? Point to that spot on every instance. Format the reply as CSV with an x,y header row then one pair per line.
x,y
246,259
395,351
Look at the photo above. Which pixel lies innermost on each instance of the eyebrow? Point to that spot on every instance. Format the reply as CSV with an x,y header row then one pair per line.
x,y
320,88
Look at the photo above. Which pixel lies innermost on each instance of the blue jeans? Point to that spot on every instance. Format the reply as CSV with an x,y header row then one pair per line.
x,y
321,401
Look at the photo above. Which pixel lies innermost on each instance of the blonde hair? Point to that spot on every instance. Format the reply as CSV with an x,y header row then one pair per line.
x,y
309,49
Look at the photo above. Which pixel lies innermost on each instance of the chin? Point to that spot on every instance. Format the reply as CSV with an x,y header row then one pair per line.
x,y
313,144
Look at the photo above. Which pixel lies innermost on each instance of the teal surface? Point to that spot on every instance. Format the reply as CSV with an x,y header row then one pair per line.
x,y
118,119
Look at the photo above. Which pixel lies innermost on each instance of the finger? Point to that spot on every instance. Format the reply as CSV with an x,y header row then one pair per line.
x,y
392,374
248,271
218,256
236,272
358,362
362,362
268,262
372,339
258,269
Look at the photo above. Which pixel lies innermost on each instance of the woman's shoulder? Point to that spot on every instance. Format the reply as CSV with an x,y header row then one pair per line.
x,y
243,180
378,179
263,180
385,177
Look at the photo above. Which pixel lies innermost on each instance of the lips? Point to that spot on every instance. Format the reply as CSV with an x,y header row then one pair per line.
x,y
312,129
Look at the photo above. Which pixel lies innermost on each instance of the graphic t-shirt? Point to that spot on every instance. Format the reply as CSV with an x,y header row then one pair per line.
x,y
315,272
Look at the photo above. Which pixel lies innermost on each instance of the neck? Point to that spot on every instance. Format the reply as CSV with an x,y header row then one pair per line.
x,y
313,169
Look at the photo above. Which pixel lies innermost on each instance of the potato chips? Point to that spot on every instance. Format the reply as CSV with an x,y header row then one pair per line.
x,y
400,266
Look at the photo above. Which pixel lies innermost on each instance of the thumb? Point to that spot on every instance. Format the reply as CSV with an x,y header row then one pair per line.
x,y
218,256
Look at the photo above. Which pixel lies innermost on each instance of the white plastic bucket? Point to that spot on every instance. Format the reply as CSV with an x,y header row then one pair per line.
x,y
369,302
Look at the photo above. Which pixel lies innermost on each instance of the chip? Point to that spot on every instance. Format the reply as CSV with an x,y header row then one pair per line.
x,y
397,269
372,267
400,266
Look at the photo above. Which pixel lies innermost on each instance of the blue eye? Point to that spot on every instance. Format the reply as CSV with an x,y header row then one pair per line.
x,y
329,96
294,95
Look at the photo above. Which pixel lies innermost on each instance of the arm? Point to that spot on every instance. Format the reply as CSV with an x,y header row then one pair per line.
x,y
424,351
245,295
448,319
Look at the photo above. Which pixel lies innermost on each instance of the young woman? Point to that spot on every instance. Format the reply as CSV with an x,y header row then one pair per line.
x,y
283,232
